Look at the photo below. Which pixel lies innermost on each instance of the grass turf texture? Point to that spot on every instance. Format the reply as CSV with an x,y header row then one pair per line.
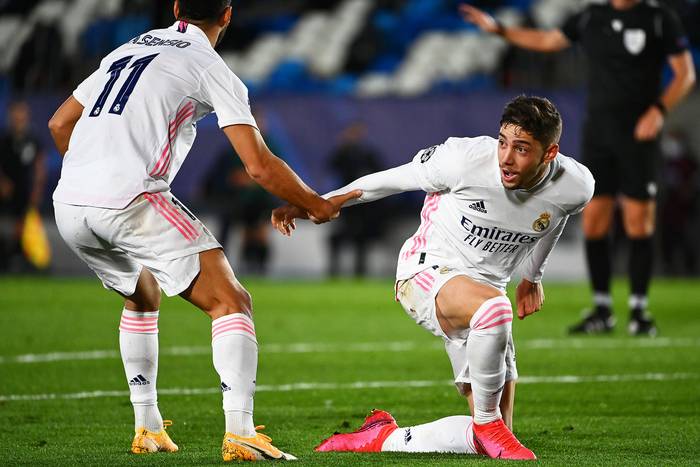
x,y
653,422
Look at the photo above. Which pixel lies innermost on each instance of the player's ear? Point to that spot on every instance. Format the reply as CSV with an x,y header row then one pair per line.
x,y
551,152
225,17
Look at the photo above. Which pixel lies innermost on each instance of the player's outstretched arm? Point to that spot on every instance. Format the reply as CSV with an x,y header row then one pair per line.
x,y
283,218
273,174
532,39
63,121
371,188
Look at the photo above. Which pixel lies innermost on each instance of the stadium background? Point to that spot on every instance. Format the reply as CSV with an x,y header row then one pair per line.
x,y
411,70
414,73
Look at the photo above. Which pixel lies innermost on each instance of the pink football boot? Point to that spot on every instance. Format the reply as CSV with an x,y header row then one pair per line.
x,y
369,438
495,440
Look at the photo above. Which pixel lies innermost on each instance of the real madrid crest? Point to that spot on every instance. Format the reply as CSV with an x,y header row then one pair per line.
x,y
542,222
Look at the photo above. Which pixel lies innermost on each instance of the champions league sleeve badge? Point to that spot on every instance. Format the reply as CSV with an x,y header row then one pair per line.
x,y
542,222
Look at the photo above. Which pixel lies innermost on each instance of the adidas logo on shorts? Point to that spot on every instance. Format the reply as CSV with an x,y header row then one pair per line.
x,y
225,387
479,206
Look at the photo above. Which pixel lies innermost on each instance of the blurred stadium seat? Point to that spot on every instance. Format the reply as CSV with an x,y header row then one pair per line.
x,y
360,47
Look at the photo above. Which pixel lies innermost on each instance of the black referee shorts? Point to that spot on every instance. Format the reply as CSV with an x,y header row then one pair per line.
x,y
619,163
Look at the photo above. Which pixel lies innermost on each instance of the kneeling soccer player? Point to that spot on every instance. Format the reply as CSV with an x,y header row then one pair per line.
x,y
492,204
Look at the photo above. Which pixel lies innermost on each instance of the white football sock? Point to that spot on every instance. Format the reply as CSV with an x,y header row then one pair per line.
x,y
138,344
449,434
235,353
486,349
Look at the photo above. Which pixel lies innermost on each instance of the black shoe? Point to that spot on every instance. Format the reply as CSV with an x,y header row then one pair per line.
x,y
599,321
642,326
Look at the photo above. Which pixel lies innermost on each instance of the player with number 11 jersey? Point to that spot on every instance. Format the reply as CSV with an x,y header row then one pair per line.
x,y
141,109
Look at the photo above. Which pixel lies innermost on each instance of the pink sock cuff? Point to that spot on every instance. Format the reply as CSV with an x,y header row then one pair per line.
x,y
236,323
493,312
139,322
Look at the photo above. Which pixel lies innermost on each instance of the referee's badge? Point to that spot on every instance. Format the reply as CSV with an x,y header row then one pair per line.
x,y
542,222
634,40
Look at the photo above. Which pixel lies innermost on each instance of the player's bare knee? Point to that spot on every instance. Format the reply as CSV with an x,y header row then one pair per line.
x,y
147,295
236,300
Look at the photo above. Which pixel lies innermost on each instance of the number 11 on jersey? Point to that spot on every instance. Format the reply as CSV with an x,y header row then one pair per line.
x,y
123,96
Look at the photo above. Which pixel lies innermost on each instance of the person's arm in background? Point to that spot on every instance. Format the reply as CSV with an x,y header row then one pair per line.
x,y
63,121
273,174
650,123
538,40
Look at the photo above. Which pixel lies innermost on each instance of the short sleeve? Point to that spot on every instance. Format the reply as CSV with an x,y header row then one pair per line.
x,y
437,167
573,25
674,39
227,95
84,90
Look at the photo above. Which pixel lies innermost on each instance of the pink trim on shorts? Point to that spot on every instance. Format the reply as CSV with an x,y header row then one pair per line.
x,y
424,280
430,205
163,164
172,215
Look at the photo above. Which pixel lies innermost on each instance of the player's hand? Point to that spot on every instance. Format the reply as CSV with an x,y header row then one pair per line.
x,y
649,124
283,218
481,19
529,296
331,208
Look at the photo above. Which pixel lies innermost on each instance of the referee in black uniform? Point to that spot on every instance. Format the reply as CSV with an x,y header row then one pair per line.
x,y
627,43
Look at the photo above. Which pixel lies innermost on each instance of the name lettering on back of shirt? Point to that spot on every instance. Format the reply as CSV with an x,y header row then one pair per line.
x,y
153,41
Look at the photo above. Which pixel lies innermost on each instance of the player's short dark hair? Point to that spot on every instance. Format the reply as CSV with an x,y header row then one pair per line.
x,y
202,10
535,115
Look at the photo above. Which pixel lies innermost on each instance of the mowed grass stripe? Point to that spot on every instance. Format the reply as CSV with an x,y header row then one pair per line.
x,y
560,379
405,346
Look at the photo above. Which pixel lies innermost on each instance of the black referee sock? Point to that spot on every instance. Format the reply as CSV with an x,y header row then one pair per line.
x,y
599,265
640,268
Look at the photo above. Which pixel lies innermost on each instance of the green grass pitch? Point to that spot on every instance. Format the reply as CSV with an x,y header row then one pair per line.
x,y
330,352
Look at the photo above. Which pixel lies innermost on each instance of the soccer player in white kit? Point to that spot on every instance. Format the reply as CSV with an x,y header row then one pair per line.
x,y
492,205
124,134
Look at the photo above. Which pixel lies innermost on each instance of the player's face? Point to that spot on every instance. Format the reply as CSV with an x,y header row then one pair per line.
x,y
521,158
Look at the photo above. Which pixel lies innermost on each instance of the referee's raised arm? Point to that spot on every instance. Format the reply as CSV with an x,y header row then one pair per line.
x,y
539,40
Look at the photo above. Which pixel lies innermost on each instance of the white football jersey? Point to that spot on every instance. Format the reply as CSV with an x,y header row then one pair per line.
x,y
470,220
141,109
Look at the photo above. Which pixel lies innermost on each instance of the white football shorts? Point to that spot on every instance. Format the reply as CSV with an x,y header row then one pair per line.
x,y
154,231
417,297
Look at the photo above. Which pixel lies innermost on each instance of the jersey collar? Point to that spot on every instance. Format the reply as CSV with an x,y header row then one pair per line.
x,y
190,30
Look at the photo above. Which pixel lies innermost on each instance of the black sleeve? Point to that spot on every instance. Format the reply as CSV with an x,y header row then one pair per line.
x,y
573,26
673,36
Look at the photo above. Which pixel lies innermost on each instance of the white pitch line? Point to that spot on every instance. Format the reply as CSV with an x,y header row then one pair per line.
x,y
293,387
206,350
396,346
